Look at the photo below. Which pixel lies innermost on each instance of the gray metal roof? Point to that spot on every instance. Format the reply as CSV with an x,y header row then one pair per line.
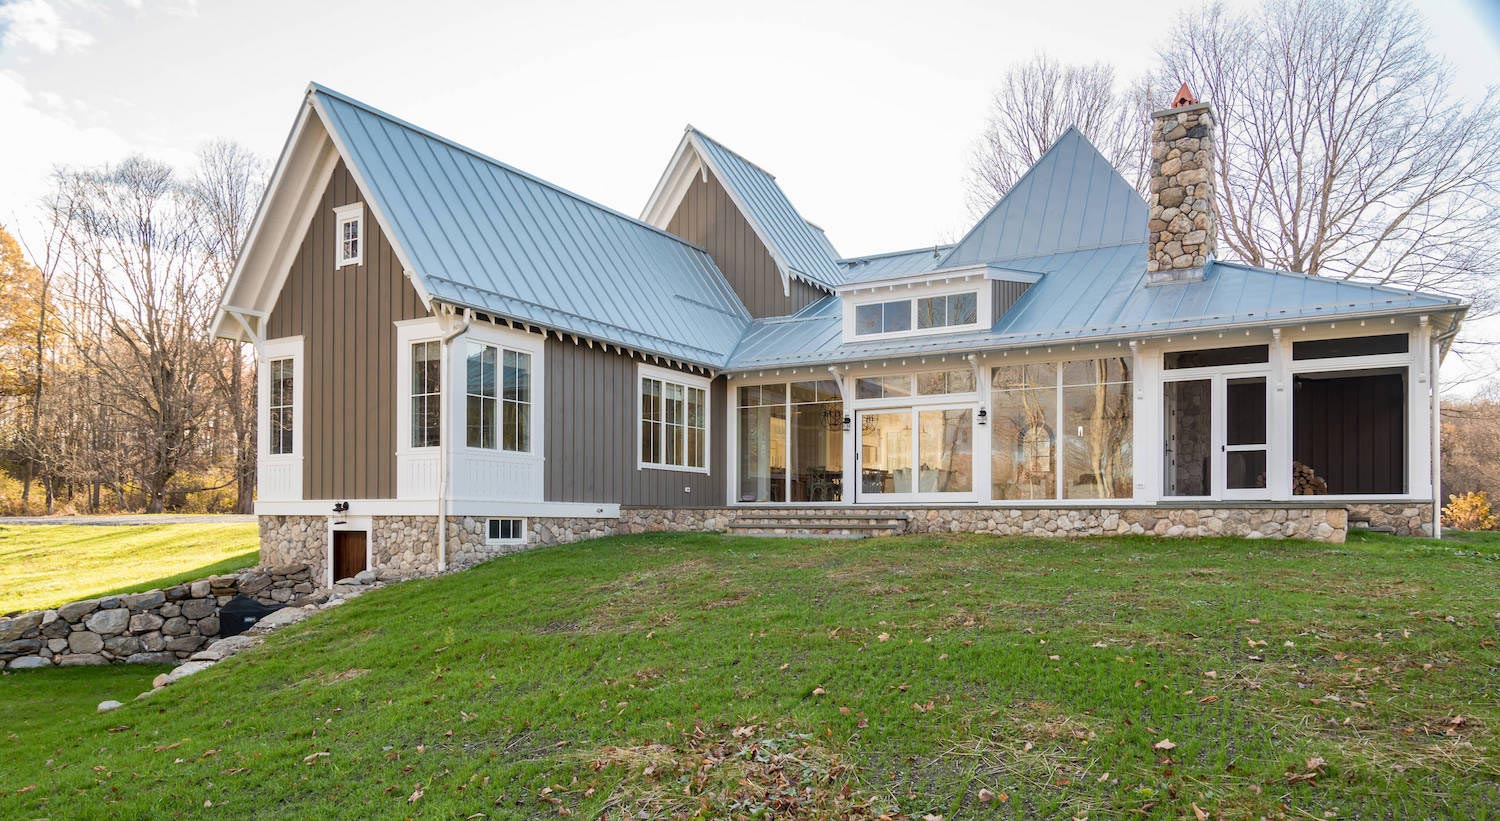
x,y
794,242
893,265
482,234
1096,294
1071,199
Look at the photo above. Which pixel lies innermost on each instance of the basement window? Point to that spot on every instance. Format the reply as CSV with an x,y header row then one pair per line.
x,y
349,238
505,531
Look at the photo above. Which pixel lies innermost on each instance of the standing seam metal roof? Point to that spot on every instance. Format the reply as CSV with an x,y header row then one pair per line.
x,y
482,234
793,240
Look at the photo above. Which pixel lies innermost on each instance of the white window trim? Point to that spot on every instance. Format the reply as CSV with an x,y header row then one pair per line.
x,y
501,344
687,380
984,308
290,347
353,212
408,333
525,530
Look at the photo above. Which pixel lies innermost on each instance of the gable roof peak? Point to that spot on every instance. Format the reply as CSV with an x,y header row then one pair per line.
x,y
1070,199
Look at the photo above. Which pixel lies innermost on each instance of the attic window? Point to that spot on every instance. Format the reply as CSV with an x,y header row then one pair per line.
x,y
349,236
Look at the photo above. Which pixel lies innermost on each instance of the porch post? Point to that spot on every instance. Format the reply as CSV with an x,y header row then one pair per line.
x,y
1421,388
1279,435
1147,423
983,491
851,436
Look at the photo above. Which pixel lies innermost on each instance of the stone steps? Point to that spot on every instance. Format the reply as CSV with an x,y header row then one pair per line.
x,y
831,524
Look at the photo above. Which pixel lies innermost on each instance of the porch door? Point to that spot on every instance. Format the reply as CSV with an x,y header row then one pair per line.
x,y
921,454
1215,442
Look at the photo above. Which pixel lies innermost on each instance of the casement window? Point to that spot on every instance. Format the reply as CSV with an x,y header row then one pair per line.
x,y
426,393
499,398
282,406
674,420
505,531
349,235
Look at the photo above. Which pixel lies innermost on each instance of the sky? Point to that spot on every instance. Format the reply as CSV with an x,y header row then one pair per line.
x,y
866,111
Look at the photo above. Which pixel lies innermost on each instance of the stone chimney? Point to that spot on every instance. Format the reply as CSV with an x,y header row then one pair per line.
x,y
1182,223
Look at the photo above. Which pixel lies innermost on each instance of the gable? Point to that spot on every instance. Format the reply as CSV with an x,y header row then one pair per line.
x,y
1072,199
708,217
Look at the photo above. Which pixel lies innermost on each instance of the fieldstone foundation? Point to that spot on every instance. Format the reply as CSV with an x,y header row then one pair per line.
x,y
1406,518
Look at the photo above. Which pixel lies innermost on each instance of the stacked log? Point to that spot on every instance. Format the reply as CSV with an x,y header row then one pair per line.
x,y
1307,482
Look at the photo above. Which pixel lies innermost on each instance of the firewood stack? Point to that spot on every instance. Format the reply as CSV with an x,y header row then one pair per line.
x,y
1307,482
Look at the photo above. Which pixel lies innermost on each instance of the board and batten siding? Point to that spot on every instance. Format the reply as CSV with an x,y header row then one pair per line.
x,y
1006,294
592,438
345,317
708,217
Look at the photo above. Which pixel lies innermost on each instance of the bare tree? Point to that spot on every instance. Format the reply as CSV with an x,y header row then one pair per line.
x,y
227,186
1037,101
135,243
1342,152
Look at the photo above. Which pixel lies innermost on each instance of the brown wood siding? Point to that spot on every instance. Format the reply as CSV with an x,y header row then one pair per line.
x,y
1006,294
1352,431
709,218
591,435
346,319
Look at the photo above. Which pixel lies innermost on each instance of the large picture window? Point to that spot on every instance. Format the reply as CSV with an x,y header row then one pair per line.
x,y
674,424
283,410
1062,430
426,394
499,398
791,442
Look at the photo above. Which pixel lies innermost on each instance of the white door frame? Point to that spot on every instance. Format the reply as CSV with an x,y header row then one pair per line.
x,y
916,495
1218,410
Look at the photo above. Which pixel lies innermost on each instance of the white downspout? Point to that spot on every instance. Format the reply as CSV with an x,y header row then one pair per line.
x,y
444,442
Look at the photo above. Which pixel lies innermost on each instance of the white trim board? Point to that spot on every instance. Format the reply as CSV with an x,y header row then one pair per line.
x,y
429,507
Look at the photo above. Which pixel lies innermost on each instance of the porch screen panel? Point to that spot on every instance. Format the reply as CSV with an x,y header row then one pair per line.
x,y
1097,430
1023,430
762,443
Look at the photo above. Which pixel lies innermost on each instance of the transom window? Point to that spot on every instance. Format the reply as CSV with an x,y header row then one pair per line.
x,y
947,310
498,386
932,313
674,424
928,383
282,411
350,241
882,317
426,394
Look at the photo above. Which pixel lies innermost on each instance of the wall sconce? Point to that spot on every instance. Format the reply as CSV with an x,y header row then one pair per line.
x,y
848,423
984,416
340,507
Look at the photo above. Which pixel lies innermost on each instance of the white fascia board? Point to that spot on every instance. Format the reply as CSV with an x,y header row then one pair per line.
x,y
429,507
675,181
942,275
372,199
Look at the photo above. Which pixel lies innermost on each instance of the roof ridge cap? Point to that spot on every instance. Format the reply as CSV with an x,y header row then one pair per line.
x,y
746,160
907,252
482,157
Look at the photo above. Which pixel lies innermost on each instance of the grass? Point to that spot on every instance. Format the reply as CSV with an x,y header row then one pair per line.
x,y
703,676
47,565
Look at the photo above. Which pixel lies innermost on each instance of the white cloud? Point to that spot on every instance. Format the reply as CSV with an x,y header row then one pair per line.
x,y
36,24
39,136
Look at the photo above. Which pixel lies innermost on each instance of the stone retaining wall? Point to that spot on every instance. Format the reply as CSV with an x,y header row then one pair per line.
x,y
1406,518
1316,523
154,627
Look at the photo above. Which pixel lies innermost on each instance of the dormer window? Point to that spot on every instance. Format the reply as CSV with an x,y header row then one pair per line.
x,y
883,317
947,310
349,237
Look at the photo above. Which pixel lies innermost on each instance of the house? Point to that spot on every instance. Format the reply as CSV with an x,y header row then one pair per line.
x,y
458,359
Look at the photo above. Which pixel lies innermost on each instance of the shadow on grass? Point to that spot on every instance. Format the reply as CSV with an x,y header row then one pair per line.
x,y
229,565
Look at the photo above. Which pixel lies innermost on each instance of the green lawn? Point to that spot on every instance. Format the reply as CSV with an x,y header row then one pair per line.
x,y
710,677
47,565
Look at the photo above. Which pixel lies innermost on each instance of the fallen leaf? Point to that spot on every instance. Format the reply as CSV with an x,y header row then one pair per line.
x,y
416,795
1208,699
985,795
818,691
884,637
1164,744
1211,674
308,759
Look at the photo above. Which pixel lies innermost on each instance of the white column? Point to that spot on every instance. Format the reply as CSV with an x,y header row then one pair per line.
x,y
1421,387
1279,425
851,438
1146,418
983,438
732,443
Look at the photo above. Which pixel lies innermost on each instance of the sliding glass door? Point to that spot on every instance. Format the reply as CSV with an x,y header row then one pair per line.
x,y
923,454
